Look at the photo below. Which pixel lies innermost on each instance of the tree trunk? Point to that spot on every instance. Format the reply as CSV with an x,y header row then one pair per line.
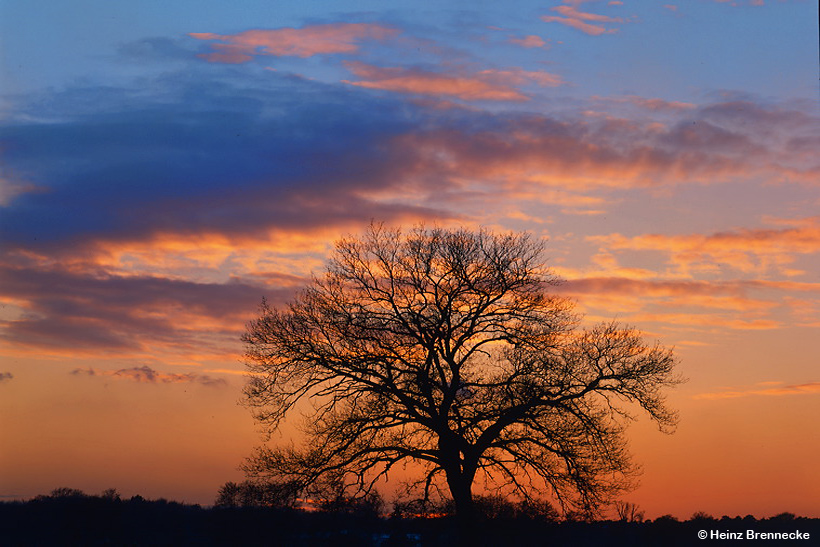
x,y
461,490
466,522
460,474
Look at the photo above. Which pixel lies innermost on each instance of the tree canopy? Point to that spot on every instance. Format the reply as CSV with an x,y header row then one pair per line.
x,y
445,348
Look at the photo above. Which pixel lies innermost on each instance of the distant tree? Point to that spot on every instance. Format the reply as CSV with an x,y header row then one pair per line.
x,y
628,512
784,517
228,495
503,507
110,494
444,348
701,516
370,505
64,493
257,494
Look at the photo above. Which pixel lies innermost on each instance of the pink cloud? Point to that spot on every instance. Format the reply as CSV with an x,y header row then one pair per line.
x,y
649,103
487,85
531,41
614,153
735,3
580,20
293,42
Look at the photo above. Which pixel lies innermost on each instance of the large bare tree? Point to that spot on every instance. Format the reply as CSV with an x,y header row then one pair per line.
x,y
445,348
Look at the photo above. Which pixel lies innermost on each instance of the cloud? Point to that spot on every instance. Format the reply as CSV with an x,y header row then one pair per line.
x,y
147,198
734,304
525,154
204,157
809,388
9,189
487,85
735,3
82,312
647,103
6,377
581,20
744,249
529,41
147,375
302,42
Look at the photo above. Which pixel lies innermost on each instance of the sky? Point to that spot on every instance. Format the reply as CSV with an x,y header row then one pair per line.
x,y
165,165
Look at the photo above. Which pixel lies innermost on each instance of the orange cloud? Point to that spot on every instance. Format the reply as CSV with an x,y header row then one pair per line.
x,y
580,20
738,304
293,42
748,250
620,293
487,85
795,389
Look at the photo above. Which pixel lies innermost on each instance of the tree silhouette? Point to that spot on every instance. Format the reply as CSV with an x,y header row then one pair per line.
x,y
444,348
628,512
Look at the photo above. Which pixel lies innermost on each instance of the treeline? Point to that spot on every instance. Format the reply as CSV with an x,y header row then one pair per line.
x,y
71,517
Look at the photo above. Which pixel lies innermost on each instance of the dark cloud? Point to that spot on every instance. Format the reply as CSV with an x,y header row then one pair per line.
x,y
6,376
199,156
221,150
82,311
147,375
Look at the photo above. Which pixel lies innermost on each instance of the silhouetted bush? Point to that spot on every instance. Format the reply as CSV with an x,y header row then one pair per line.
x,y
702,518
370,505
71,517
257,494
783,517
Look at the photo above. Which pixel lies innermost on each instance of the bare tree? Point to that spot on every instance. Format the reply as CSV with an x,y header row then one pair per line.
x,y
444,348
628,511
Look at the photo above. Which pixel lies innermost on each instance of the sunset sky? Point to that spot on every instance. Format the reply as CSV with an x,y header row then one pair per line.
x,y
166,164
